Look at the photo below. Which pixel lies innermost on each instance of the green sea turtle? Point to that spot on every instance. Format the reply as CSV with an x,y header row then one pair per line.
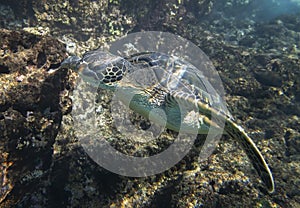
x,y
167,83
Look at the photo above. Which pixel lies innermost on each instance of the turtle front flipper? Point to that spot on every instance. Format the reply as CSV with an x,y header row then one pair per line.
x,y
252,152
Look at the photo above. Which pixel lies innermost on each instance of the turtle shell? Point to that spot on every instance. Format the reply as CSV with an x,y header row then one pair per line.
x,y
178,77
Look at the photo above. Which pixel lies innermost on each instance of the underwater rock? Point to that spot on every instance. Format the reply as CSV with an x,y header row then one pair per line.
x,y
30,110
41,169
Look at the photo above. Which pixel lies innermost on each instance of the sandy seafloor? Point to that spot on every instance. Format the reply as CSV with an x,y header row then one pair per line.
x,y
255,47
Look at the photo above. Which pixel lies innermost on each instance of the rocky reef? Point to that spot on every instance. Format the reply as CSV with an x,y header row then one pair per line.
x,y
32,105
41,161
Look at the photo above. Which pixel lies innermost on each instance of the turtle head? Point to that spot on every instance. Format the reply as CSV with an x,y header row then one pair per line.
x,y
102,69
99,68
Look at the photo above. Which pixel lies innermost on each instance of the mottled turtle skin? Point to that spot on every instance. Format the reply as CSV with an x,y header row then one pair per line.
x,y
160,81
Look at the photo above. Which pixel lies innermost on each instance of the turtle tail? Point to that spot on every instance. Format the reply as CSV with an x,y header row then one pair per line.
x,y
252,152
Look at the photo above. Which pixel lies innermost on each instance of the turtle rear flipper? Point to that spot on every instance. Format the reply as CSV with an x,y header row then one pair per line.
x,y
253,153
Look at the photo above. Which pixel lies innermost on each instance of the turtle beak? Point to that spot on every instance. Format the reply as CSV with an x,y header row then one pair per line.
x,y
70,62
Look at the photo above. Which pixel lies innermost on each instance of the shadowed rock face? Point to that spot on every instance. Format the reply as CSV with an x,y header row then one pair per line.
x,y
31,110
